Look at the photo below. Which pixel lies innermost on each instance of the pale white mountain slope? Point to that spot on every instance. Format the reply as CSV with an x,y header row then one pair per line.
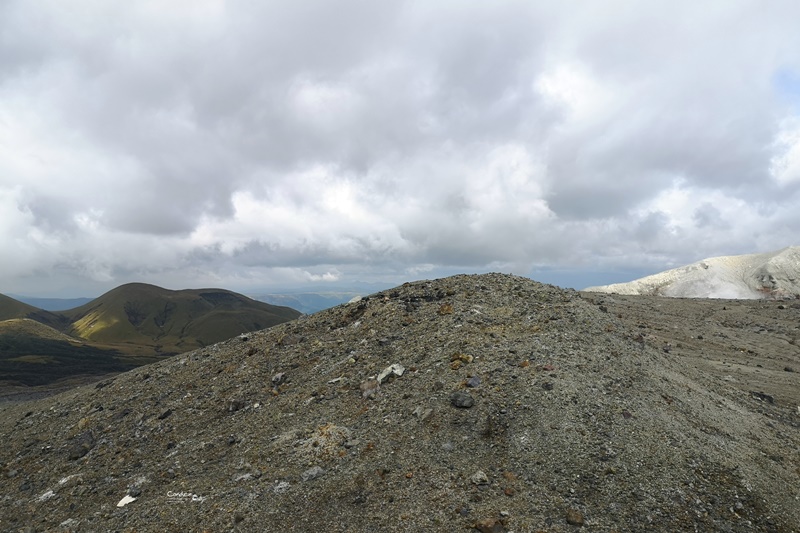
x,y
752,276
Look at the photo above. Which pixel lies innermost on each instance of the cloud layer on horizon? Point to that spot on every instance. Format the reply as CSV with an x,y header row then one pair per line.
x,y
247,143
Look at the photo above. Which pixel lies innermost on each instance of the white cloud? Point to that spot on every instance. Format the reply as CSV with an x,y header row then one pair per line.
x,y
241,143
785,165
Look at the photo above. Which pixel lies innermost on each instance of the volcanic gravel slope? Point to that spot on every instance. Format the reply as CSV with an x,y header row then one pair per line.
x,y
520,407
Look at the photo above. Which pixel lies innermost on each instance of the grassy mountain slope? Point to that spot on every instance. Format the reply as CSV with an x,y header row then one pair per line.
x,y
11,308
171,321
32,354
129,326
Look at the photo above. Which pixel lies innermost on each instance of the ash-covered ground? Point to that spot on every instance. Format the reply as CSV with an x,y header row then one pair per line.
x,y
489,402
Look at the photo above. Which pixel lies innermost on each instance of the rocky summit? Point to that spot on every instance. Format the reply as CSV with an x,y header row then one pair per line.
x,y
489,403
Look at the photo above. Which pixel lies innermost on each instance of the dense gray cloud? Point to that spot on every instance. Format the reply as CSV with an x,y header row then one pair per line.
x,y
250,144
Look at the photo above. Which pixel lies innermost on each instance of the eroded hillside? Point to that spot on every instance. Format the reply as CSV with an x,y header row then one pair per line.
x,y
488,402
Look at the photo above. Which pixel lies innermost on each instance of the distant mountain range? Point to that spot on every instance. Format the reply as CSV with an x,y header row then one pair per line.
x,y
769,275
308,302
131,325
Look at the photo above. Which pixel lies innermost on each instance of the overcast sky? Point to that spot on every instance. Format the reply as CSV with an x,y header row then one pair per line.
x,y
251,144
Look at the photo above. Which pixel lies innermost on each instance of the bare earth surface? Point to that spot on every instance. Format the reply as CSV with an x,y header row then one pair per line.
x,y
511,406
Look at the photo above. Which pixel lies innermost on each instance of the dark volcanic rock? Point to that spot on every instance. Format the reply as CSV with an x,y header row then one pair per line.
x,y
462,399
582,419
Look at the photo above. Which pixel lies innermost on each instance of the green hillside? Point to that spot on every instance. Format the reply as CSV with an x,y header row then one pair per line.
x,y
32,353
11,308
129,326
171,321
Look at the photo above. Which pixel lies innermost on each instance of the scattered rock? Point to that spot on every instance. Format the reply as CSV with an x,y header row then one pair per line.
x,y
282,467
479,478
788,369
762,396
390,372
490,525
462,400
422,413
312,473
281,487
126,500
235,404
82,445
574,517
165,414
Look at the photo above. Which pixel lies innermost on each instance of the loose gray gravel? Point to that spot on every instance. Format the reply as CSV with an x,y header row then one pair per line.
x,y
520,407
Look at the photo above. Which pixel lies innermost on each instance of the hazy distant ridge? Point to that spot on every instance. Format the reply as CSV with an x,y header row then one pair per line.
x,y
752,276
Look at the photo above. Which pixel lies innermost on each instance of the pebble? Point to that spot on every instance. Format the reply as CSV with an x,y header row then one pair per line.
x,y
479,478
462,400
395,370
312,473
84,443
574,517
281,487
473,382
422,414
490,525
235,405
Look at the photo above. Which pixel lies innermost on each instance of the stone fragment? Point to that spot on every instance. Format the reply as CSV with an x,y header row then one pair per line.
x,y
490,525
126,500
312,473
83,443
390,372
278,379
165,414
762,396
281,487
235,404
479,478
574,517
423,414
462,400
473,382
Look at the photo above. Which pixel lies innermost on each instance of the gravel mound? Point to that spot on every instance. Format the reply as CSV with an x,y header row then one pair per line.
x,y
488,402
753,276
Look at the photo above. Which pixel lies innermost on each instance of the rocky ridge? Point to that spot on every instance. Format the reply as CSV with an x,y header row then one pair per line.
x,y
488,402
772,275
